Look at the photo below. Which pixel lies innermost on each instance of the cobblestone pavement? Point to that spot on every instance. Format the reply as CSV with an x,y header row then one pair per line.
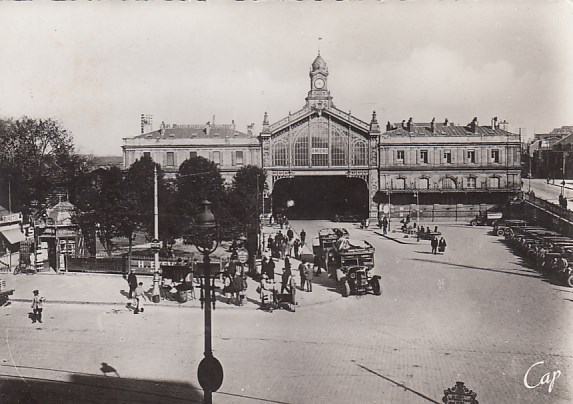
x,y
474,314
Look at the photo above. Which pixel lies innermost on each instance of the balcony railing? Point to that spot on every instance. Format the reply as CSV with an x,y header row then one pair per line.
x,y
437,188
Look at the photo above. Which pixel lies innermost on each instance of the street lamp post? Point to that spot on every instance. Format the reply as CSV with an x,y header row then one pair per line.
x,y
210,371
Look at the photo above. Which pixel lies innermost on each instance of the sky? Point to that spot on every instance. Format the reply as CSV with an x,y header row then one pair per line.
x,y
96,67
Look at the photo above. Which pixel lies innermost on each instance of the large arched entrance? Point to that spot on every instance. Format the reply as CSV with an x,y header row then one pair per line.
x,y
321,197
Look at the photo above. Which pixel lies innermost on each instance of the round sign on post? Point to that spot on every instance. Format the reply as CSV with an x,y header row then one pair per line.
x,y
386,209
242,255
210,374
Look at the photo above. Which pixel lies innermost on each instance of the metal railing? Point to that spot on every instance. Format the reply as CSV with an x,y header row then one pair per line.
x,y
549,207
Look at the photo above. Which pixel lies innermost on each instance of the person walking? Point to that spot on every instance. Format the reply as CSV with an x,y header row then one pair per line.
x,y
37,306
302,272
434,244
308,275
442,245
286,277
132,282
296,246
302,237
384,225
290,233
139,298
270,242
264,266
271,269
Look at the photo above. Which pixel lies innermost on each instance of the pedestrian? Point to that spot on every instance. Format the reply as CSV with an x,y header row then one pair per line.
x,y
302,273
270,242
317,264
308,275
289,247
296,246
264,266
286,277
284,245
302,237
290,233
132,282
271,269
37,306
139,298
384,225
442,245
434,244
271,220
232,269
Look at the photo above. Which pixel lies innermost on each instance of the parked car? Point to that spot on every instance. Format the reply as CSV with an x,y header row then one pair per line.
x,y
502,226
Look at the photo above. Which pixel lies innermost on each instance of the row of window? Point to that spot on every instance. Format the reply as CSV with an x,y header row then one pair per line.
x,y
318,153
447,156
215,156
445,183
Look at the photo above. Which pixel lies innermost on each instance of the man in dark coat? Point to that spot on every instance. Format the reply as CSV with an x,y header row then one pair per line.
x,y
434,244
302,237
285,279
132,282
290,234
271,269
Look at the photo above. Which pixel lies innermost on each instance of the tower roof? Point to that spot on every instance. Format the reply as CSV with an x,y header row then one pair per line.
x,y
319,63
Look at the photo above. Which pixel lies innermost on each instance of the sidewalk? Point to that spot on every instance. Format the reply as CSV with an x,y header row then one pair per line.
x,y
110,289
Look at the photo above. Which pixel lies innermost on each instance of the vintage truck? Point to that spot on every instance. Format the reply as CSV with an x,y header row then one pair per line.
x,y
354,262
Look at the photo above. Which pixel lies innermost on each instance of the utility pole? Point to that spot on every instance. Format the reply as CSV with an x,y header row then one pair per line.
x,y
155,293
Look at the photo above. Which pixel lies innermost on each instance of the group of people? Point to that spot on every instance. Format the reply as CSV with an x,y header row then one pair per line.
x,y
563,201
438,245
136,293
288,245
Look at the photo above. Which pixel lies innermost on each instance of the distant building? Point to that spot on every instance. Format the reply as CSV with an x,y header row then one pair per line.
x,y
107,162
552,154
170,145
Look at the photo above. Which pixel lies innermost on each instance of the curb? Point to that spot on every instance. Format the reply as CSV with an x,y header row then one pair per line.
x,y
394,239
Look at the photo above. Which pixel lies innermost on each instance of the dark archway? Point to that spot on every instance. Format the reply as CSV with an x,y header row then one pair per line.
x,y
321,197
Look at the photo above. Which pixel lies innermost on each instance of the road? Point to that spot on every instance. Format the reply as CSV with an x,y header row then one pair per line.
x,y
474,314
550,192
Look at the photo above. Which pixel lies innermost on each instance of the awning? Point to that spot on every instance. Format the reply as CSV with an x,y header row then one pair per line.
x,y
13,235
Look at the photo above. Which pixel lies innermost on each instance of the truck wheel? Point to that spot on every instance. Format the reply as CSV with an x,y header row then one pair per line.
x,y
376,287
500,232
570,281
344,289
474,223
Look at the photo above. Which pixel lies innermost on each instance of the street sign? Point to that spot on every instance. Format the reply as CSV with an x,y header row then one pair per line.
x,y
155,245
242,255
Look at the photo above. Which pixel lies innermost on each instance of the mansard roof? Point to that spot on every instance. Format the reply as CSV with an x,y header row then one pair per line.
x,y
195,132
443,129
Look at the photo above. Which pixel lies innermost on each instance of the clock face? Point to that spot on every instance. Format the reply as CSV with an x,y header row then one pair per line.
x,y
319,83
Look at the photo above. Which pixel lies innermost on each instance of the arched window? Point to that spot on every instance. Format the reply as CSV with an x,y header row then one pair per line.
x,y
280,154
423,183
472,182
338,150
300,149
319,144
448,183
400,183
494,182
359,154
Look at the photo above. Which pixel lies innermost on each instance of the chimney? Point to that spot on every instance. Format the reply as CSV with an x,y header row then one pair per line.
x,y
474,124
233,124
208,127
162,128
213,120
403,124
388,126
250,129
433,125
494,123
410,125
374,127
446,122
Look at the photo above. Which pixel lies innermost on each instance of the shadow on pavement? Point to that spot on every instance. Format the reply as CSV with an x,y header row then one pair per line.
x,y
86,388
480,268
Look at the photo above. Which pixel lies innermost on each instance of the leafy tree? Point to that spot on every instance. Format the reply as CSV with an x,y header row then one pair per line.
x,y
246,195
199,179
37,159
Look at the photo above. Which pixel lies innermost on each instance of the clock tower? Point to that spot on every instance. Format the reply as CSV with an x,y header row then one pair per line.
x,y
319,96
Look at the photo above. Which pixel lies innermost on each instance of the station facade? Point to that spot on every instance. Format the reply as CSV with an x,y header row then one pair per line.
x,y
322,161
